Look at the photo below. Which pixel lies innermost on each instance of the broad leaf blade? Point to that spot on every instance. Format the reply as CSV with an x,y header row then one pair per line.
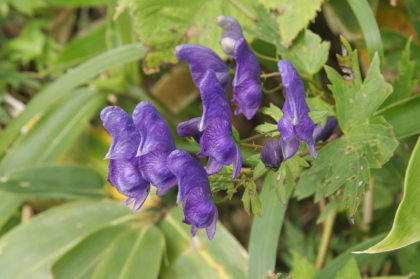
x,y
406,223
74,221
54,181
8,205
61,87
198,257
134,254
349,271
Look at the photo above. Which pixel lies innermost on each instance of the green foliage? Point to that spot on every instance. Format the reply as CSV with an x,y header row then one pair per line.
x,y
308,54
163,24
54,181
294,15
74,221
200,257
349,271
405,228
302,268
368,142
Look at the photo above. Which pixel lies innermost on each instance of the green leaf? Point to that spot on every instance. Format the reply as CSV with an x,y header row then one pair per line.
x,y
317,104
266,231
308,53
81,48
294,15
367,22
302,268
334,266
80,261
349,271
73,221
273,111
62,86
277,181
198,257
405,83
251,199
356,101
406,226
267,127
318,116
413,9
311,184
403,117
54,181
9,204
54,132
163,24
82,3
330,206
236,134
134,254
259,171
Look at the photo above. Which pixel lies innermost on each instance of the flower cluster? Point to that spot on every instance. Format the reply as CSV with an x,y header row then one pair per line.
x,y
143,151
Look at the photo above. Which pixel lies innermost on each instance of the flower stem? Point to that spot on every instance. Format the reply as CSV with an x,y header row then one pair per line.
x,y
243,10
326,235
273,74
272,90
266,57
252,145
257,136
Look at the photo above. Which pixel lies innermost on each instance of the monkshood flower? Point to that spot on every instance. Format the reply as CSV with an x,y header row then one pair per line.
x,y
124,172
232,32
247,92
214,128
271,155
156,142
194,190
295,125
200,59
322,134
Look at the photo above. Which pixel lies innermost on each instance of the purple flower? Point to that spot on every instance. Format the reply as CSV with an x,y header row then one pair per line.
x,y
271,155
217,140
200,59
190,129
295,125
155,144
322,134
124,172
247,92
194,190
232,32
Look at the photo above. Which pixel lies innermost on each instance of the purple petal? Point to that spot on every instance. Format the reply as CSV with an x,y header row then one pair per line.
x,y
213,166
295,106
125,138
304,129
153,168
290,147
154,132
247,82
211,230
271,155
200,59
190,129
237,164
286,128
199,207
193,230
231,33
217,142
311,148
323,134
215,104
126,177
189,172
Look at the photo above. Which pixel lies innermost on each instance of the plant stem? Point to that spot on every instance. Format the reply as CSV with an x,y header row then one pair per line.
x,y
272,90
257,136
266,57
243,10
252,145
221,180
273,74
326,235
368,207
